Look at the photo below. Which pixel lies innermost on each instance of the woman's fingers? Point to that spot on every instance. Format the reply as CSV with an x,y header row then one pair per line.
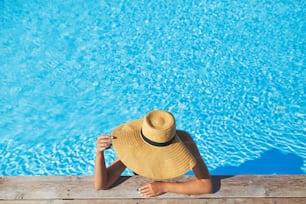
x,y
145,191
151,189
104,142
105,138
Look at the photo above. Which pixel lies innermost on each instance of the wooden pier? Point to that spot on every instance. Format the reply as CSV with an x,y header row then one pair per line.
x,y
79,190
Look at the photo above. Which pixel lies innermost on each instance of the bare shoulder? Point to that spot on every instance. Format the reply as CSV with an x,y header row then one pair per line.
x,y
200,169
189,142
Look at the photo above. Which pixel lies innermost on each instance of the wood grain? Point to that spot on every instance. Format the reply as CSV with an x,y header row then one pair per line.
x,y
72,189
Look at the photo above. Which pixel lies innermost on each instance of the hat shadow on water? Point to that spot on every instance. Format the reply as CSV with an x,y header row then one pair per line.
x,y
271,162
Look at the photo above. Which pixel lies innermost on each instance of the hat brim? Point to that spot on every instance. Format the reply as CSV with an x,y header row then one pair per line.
x,y
147,160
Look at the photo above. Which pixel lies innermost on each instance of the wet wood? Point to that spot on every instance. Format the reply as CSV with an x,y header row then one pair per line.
x,y
229,189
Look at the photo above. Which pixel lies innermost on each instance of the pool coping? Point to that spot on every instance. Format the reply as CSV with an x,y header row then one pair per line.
x,y
80,189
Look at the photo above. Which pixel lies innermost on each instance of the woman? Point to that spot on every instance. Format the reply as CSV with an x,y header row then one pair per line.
x,y
153,148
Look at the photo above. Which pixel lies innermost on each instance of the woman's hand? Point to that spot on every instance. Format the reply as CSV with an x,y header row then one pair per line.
x,y
104,142
152,189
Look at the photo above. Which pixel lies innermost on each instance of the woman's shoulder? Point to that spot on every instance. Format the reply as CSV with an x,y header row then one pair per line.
x,y
188,142
184,136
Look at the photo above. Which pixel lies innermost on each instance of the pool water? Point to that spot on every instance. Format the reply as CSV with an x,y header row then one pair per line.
x,y
232,73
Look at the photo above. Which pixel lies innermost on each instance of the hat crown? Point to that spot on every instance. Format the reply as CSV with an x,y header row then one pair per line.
x,y
159,126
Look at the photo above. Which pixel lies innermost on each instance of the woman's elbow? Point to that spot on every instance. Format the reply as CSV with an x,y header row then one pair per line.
x,y
99,187
207,186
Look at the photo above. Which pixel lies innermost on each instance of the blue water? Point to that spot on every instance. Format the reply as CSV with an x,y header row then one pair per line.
x,y
232,73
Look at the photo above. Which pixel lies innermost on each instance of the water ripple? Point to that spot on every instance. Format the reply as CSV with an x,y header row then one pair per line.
x,y
231,72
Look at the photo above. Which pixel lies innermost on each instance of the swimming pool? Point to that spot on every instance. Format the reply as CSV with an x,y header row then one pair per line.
x,y
232,73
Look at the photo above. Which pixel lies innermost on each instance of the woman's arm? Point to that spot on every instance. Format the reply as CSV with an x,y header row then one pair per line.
x,y
195,186
201,184
192,187
105,177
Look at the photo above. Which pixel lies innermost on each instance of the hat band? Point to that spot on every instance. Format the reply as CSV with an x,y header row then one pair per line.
x,y
157,144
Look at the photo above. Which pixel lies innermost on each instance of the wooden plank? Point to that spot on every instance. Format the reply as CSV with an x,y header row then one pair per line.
x,y
167,201
82,188
261,186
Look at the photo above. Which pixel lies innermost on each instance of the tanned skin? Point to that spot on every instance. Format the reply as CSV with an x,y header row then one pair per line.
x,y
105,177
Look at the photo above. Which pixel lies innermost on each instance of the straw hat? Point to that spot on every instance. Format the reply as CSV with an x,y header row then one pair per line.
x,y
151,147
